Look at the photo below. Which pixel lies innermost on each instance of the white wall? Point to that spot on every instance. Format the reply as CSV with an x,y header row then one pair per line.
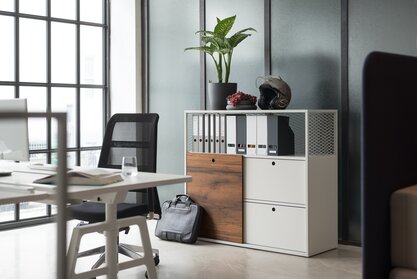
x,y
125,81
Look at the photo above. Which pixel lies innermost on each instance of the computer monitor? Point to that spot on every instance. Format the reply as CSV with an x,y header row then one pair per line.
x,y
14,138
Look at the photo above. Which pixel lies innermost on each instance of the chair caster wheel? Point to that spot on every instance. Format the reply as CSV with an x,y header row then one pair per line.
x,y
156,261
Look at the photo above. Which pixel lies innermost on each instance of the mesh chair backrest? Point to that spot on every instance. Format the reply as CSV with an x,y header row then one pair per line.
x,y
132,134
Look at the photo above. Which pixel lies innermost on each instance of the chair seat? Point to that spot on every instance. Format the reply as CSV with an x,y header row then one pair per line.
x,y
95,212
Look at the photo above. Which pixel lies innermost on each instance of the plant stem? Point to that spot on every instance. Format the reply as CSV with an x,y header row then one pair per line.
x,y
219,76
219,67
228,64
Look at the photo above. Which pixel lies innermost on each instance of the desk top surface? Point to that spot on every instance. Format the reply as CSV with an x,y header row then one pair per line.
x,y
22,177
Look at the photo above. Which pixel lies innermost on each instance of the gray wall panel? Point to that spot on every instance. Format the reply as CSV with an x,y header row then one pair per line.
x,y
173,79
248,56
306,51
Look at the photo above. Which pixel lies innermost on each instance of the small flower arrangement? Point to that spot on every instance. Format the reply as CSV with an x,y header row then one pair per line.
x,y
235,98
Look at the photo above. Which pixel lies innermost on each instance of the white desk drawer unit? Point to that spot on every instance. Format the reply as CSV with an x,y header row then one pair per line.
x,y
275,226
289,201
275,180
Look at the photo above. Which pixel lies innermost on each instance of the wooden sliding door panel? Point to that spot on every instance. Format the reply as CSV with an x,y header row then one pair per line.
x,y
217,186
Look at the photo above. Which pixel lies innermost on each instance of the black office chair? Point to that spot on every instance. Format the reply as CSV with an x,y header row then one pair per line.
x,y
126,135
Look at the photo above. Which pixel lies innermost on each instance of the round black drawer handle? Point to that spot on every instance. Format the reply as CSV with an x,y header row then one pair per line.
x,y
273,209
213,160
273,163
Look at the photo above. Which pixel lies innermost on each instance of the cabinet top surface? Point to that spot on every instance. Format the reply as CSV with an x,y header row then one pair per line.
x,y
263,111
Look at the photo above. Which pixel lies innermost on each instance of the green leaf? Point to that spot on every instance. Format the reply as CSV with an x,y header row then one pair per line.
x,y
205,49
237,38
205,32
223,26
244,30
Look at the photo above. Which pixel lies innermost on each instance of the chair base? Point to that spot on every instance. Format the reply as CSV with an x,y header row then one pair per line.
x,y
138,255
128,250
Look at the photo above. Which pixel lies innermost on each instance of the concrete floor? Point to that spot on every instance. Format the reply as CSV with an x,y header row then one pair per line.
x,y
30,253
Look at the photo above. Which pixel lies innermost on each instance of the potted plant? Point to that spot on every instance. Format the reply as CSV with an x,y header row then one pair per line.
x,y
220,49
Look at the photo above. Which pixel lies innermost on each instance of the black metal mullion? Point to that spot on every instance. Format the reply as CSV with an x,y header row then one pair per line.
x,y
203,70
46,84
17,212
55,19
145,54
267,37
17,49
106,63
78,90
48,81
344,124
17,88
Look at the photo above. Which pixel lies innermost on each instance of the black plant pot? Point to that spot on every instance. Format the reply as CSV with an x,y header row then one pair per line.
x,y
217,93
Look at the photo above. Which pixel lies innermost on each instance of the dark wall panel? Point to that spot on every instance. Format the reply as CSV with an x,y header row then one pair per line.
x,y
306,51
382,25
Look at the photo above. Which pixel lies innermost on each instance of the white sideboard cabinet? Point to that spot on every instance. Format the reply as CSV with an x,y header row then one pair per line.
x,y
287,203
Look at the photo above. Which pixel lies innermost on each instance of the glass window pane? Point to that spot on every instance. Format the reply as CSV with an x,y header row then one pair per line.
x,y
63,52
32,210
38,158
63,9
71,159
36,98
7,212
32,50
34,7
6,92
91,117
90,158
91,55
64,100
7,48
7,5
91,10
54,209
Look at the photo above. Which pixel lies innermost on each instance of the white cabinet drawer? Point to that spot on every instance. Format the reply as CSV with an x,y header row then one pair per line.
x,y
282,227
275,180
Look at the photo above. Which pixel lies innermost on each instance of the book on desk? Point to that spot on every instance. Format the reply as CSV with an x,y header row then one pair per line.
x,y
92,177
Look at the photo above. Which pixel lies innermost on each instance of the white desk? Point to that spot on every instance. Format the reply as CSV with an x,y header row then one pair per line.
x,y
109,194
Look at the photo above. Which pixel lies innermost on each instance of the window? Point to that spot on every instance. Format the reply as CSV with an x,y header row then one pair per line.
x,y
54,53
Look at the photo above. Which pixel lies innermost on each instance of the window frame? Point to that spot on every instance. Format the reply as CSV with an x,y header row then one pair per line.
x,y
49,85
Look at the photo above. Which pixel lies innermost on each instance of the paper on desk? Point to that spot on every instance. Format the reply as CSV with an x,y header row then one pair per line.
x,y
96,177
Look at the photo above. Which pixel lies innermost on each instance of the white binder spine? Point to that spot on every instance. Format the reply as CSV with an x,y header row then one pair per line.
x,y
217,133
223,133
231,134
261,135
195,132
251,134
212,134
200,133
206,133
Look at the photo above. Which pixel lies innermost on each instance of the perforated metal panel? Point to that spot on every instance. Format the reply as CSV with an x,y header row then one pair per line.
x,y
321,133
189,132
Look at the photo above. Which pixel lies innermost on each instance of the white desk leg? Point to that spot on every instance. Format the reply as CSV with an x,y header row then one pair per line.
x,y
111,240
